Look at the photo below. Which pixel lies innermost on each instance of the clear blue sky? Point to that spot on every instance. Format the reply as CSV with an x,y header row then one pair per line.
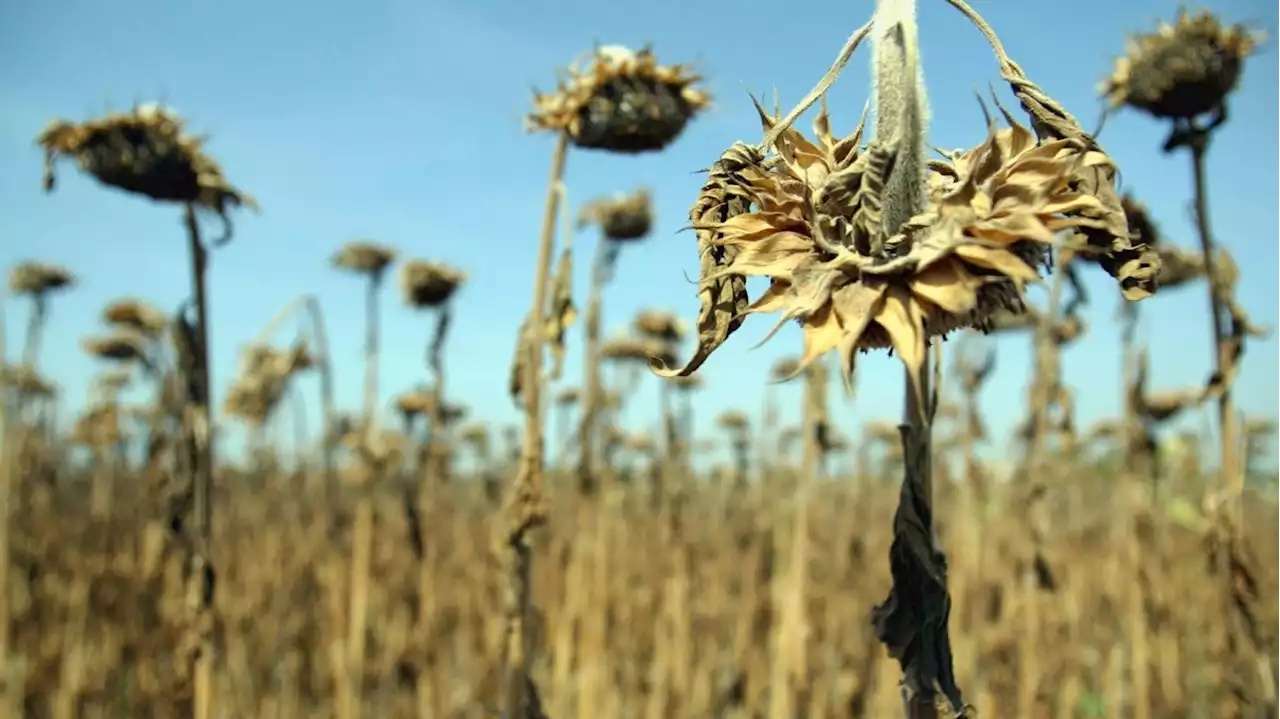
x,y
401,121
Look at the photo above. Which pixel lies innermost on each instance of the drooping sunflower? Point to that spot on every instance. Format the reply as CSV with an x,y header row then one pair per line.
x,y
1181,70
814,229
146,151
624,217
622,101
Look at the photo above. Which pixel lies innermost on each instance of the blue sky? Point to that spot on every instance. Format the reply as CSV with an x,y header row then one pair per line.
x,y
401,121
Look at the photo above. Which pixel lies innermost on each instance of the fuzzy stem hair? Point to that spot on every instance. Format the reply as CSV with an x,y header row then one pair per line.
x,y
902,109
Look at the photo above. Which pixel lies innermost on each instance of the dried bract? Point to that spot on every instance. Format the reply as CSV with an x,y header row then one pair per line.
x,y
1179,266
363,257
429,284
38,278
622,218
144,151
622,101
1182,70
135,315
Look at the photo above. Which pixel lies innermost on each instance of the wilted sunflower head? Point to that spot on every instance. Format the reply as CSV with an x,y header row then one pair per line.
x,y
815,230
38,278
24,379
361,257
429,284
136,315
1182,70
114,380
660,325
622,101
622,218
784,368
144,151
733,420
122,345
415,402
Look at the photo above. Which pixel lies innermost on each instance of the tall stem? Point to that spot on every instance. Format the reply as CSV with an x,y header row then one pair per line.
x,y
372,290
526,503
589,416
201,593
1232,476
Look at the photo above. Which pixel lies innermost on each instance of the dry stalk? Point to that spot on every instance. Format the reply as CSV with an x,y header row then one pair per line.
x,y
526,505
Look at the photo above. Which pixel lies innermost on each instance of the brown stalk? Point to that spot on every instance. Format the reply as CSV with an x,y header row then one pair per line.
x,y
201,584
589,419
789,682
526,502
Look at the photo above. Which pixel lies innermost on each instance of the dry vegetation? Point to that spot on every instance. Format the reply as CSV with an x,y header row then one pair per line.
x,y
445,569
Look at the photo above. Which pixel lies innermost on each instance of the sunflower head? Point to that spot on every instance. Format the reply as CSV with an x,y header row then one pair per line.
x,y
1182,70
732,420
429,284
622,218
136,315
621,101
38,278
146,151
363,257
119,346
816,230
660,325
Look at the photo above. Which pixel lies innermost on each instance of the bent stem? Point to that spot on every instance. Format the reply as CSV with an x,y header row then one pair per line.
x,y
526,503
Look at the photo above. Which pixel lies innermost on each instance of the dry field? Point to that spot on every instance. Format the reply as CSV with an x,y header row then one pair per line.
x,y
573,567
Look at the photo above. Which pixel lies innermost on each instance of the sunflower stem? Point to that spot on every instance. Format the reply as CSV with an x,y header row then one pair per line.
x,y
201,578
526,503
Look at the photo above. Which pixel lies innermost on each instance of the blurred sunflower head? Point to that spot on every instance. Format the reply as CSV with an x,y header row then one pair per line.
x,y
623,217
429,284
146,151
1181,70
622,101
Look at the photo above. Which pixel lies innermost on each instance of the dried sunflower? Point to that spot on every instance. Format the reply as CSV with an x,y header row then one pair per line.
x,y
733,420
120,346
38,278
622,101
622,218
816,231
429,284
1182,70
135,315
145,151
660,325
26,380
363,257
